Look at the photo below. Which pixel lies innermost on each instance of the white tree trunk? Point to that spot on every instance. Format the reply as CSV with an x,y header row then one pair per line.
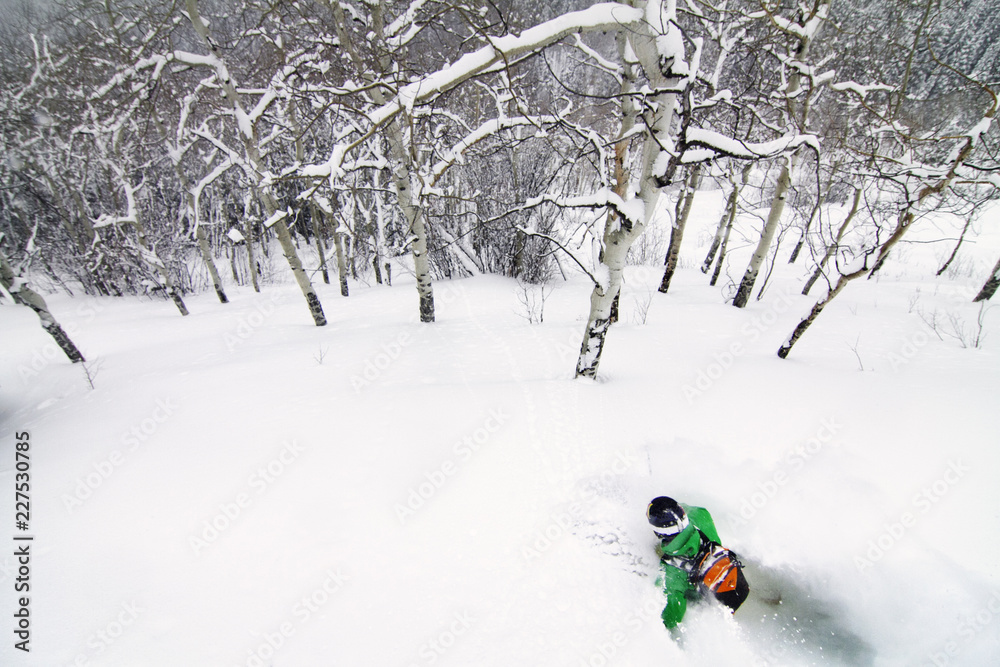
x,y
792,90
151,258
767,235
620,233
249,241
213,271
338,244
192,214
406,180
990,287
906,218
319,227
677,231
246,133
26,296
832,250
403,180
728,215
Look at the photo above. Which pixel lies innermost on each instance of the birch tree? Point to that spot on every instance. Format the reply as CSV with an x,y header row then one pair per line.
x,y
395,115
834,244
803,32
724,33
657,46
911,162
191,195
17,288
144,247
253,165
990,287
408,186
684,204
44,171
932,182
721,237
670,62
117,146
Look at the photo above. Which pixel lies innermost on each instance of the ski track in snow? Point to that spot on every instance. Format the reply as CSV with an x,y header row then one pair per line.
x,y
385,492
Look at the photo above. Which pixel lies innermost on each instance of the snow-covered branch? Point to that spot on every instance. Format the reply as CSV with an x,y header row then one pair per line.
x,y
602,16
632,209
702,145
490,128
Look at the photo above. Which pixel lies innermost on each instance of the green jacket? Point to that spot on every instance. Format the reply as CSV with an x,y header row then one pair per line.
x,y
678,552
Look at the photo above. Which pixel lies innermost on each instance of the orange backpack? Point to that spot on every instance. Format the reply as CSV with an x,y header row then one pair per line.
x,y
720,572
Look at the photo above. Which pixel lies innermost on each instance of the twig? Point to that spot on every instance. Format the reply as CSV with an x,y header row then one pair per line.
x,y
321,355
90,371
528,232
854,348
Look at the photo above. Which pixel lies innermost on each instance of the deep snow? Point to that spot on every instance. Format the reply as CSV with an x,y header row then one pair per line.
x,y
385,492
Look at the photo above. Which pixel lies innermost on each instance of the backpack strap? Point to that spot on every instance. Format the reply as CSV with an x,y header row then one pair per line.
x,y
719,570
689,564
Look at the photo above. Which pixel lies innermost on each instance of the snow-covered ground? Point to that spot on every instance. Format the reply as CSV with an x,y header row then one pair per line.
x,y
243,488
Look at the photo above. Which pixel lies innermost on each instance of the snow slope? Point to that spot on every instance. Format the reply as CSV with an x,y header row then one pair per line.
x,y
243,488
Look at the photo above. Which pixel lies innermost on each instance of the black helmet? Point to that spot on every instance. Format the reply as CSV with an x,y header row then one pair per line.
x,y
667,517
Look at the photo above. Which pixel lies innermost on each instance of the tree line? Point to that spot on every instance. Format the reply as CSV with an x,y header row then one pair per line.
x,y
153,147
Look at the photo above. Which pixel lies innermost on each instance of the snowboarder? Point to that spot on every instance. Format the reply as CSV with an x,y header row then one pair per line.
x,y
694,564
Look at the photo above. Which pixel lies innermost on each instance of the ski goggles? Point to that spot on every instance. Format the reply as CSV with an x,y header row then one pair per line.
x,y
673,530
